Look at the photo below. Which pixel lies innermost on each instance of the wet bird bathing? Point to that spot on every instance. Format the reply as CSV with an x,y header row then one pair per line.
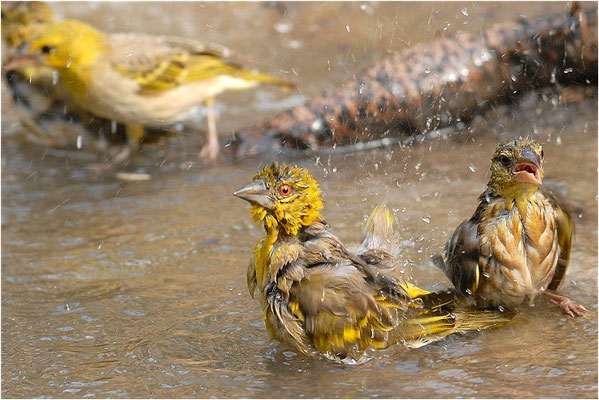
x,y
131,281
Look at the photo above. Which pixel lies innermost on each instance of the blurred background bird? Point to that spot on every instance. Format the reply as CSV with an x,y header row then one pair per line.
x,y
321,298
142,80
517,244
42,104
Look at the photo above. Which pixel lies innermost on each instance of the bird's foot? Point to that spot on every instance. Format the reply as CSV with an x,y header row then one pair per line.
x,y
568,306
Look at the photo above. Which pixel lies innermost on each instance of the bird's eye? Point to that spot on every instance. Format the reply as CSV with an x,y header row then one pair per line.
x,y
285,190
505,160
46,48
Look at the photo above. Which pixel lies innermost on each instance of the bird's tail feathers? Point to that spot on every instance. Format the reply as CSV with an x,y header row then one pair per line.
x,y
380,232
426,329
263,78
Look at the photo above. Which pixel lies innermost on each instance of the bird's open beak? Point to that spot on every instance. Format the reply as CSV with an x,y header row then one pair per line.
x,y
256,193
528,168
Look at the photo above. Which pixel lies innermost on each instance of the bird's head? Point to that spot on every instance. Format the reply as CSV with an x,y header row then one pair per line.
x,y
517,167
23,20
69,45
283,196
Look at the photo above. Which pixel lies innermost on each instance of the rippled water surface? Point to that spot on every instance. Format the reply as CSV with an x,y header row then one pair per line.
x,y
137,289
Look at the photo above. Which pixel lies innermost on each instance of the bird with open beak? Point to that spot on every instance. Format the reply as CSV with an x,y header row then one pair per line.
x,y
517,244
323,299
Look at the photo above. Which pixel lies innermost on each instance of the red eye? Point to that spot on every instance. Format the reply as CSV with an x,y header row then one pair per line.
x,y
285,190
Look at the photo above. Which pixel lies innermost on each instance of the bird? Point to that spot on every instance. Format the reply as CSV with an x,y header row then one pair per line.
x,y
517,244
324,300
41,102
140,79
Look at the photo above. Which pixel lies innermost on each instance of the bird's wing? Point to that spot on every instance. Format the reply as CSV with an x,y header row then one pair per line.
x,y
462,252
341,309
159,63
335,298
565,228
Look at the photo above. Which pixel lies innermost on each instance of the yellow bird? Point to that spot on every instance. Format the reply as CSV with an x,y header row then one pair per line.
x,y
142,80
42,103
517,244
321,298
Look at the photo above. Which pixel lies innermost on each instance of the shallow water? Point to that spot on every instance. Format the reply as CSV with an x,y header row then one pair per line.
x,y
137,289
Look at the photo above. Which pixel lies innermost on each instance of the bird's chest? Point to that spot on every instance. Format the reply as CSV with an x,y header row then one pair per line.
x,y
518,250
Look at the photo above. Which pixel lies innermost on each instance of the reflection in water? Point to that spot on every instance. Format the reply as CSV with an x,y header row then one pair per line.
x,y
138,288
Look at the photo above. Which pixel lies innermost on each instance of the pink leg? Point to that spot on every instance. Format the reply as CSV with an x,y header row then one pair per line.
x,y
568,306
211,148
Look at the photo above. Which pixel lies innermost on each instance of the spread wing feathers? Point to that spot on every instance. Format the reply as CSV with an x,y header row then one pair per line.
x,y
565,229
162,63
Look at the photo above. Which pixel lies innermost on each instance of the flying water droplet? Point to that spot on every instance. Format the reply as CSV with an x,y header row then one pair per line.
x,y
472,168
426,219
283,27
465,11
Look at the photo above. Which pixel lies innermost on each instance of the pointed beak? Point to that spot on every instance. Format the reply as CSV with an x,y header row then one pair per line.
x,y
528,168
256,193
22,60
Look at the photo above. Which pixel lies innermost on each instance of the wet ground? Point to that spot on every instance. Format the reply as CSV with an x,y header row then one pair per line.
x,y
137,289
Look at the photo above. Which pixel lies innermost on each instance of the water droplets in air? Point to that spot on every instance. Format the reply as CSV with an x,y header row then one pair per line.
x,y
465,12
69,61
283,27
472,168
367,9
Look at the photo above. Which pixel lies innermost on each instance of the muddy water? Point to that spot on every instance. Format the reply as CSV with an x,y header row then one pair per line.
x,y
137,289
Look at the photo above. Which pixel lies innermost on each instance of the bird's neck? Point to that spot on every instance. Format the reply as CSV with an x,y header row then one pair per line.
x,y
265,251
77,71
519,196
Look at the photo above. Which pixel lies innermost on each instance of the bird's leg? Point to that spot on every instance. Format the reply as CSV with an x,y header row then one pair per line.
x,y
568,306
211,148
